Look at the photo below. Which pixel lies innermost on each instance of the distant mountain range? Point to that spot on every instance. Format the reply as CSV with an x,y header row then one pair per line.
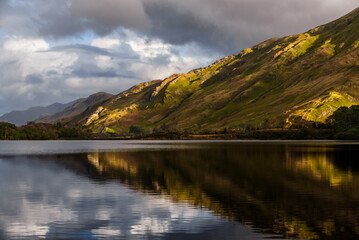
x,y
277,83
56,112
22,117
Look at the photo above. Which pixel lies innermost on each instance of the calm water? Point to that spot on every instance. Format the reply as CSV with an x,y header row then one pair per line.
x,y
179,190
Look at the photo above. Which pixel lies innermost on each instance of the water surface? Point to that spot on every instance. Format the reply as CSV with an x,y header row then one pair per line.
x,y
179,189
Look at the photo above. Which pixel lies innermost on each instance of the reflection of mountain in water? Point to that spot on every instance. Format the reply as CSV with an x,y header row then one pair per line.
x,y
295,191
319,163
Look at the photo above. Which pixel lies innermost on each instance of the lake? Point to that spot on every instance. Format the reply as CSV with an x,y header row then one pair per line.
x,y
179,190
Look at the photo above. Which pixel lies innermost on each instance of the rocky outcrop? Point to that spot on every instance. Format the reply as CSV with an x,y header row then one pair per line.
x,y
94,116
170,79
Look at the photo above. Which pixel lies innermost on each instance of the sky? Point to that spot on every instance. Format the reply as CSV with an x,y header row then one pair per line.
x,y
61,50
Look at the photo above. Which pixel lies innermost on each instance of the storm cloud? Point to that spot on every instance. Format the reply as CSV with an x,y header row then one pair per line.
x,y
227,26
111,14
57,51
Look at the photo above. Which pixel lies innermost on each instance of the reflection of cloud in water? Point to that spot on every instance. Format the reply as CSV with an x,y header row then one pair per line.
x,y
43,200
151,225
105,231
35,217
161,217
27,229
104,214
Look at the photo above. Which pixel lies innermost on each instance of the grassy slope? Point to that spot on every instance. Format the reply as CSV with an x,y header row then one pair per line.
x,y
307,75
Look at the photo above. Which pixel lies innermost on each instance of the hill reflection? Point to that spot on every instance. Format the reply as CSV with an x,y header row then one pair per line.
x,y
294,190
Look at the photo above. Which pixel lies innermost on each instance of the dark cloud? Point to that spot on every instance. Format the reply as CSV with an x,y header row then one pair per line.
x,y
124,51
230,26
62,19
3,3
85,72
51,73
34,79
161,60
57,22
178,27
81,48
108,15
226,26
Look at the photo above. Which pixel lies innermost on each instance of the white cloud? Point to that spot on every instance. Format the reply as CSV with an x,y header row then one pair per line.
x,y
17,44
146,47
106,42
104,62
32,72
21,58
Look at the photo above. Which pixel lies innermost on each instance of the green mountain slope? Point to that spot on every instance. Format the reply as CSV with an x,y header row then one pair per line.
x,y
273,84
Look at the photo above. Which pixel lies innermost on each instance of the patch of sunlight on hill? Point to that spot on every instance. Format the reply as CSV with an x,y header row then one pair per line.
x,y
320,109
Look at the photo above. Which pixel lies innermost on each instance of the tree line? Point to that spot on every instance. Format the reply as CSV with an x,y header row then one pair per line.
x,y
345,123
43,131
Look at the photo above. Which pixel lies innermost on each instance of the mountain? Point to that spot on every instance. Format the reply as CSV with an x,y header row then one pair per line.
x,y
277,83
75,108
22,117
